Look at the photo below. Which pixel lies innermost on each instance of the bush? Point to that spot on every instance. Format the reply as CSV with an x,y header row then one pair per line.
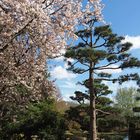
x,y
40,120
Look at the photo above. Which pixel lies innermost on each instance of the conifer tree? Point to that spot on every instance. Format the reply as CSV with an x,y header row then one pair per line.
x,y
98,50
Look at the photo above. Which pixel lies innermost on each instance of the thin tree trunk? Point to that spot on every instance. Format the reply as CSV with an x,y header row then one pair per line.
x,y
93,127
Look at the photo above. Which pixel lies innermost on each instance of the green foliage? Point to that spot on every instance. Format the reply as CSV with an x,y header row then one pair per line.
x,y
39,119
21,89
105,123
126,100
112,136
80,97
98,50
104,101
103,31
127,103
132,62
78,114
105,49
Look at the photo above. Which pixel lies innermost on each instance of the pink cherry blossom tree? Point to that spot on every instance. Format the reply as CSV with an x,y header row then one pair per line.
x,y
31,31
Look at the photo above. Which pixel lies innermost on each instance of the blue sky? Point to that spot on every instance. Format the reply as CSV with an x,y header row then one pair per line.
x,y
124,17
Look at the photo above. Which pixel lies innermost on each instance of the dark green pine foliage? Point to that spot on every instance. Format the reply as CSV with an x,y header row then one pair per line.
x,y
98,51
106,51
106,113
40,120
101,90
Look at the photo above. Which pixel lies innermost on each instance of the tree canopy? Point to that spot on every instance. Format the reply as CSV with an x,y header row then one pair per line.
x,y
99,50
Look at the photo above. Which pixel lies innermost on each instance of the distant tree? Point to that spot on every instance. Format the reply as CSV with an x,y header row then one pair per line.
x,y
126,100
100,49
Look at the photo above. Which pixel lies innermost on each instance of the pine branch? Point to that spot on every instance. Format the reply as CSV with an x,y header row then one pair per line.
x,y
106,66
109,68
85,41
84,64
101,45
107,79
74,63
104,112
97,39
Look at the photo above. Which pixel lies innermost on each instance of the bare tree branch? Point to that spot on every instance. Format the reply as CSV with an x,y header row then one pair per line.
x,y
47,5
104,112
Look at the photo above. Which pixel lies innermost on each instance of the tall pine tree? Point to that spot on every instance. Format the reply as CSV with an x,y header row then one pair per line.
x,y
98,50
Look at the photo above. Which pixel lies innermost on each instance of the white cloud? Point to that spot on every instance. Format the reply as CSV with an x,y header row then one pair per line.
x,y
72,85
61,73
110,71
66,96
69,85
62,58
68,88
135,40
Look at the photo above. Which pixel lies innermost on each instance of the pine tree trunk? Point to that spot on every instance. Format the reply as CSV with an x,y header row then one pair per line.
x,y
93,127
